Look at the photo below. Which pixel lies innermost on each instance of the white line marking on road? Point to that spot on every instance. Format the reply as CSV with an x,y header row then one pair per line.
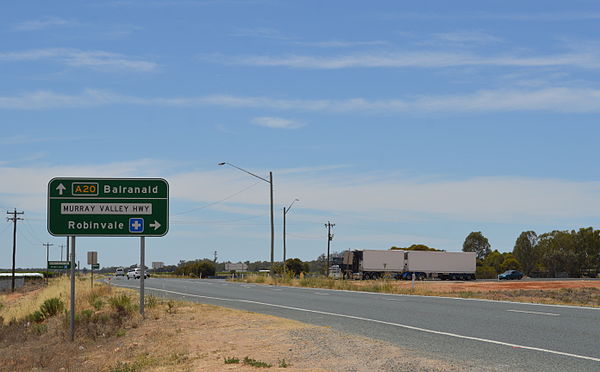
x,y
277,289
386,323
321,294
533,312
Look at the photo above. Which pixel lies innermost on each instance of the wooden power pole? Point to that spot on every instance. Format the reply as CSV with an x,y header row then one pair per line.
x,y
14,219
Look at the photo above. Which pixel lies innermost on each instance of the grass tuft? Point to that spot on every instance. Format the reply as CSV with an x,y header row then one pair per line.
x,y
52,306
232,360
121,303
256,363
284,364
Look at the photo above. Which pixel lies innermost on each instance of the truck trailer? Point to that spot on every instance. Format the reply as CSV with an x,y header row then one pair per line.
x,y
441,265
374,264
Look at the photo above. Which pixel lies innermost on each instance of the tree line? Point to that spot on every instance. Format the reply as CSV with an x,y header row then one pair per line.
x,y
574,253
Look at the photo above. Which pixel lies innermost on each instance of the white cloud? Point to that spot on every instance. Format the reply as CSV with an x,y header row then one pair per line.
x,y
558,99
275,122
418,59
96,59
342,43
261,33
40,24
468,37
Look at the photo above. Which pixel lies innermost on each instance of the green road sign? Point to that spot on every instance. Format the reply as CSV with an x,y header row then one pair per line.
x,y
59,265
108,207
95,266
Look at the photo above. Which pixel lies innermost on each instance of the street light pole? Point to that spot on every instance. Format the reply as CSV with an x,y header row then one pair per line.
x,y
285,211
272,225
270,182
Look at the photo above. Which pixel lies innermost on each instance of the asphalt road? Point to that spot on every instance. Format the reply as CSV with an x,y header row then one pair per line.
x,y
487,334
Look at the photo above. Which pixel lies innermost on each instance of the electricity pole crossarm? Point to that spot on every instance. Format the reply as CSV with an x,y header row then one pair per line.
x,y
14,219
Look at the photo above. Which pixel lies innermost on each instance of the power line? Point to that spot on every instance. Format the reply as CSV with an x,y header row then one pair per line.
x,y
218,201
33,233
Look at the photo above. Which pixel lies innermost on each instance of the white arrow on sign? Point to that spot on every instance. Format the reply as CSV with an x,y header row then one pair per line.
x,y
60,188
156,225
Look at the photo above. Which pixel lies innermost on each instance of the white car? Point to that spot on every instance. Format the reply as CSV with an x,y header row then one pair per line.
x,y
120,272
136,273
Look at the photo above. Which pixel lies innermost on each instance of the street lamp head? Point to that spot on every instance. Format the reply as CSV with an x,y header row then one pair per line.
x,y
223,163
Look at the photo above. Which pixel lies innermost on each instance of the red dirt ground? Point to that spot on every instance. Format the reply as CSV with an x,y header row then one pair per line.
x,y
440,286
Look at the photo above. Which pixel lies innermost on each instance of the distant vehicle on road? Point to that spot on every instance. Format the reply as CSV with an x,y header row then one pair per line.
x,y
375,264
511,274
136,273
120,272
407,275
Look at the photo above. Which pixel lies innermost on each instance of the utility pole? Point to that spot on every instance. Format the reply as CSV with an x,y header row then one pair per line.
x,y
329,225
47,245
215,260
61,251
14,219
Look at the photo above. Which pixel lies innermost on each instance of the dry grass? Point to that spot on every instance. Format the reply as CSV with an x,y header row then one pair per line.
x,y
18,306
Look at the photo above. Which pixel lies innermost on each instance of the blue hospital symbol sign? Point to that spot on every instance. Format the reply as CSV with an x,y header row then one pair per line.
x,y
136,225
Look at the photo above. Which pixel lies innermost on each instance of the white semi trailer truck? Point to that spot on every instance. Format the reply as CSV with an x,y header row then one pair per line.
x,y
374,264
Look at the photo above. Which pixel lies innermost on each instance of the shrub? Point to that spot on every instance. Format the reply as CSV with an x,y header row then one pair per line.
x,y
37,317
486,272
151,301
95,300
86,315
256,363
39,329
171,307
284,364
197,268
121,304
52,306
232,360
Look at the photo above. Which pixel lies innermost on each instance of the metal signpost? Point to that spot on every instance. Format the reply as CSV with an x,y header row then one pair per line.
x,y
92,258
136,207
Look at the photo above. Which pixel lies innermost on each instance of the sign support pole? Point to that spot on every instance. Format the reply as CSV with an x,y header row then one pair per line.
x,y
92,277
142,272
72,320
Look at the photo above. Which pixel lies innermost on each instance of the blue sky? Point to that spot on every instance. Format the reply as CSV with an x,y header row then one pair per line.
x,y
401,123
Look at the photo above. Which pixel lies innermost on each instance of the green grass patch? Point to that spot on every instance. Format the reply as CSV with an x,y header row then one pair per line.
x,y
256,363
232,360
